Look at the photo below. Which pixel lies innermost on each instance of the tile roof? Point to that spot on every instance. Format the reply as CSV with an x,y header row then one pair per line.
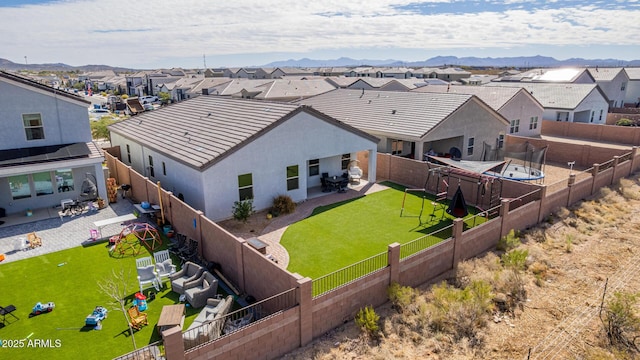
x,y
201,131
557,96
239,84
388,112
604,74
633,72
29,82
284,88
494,96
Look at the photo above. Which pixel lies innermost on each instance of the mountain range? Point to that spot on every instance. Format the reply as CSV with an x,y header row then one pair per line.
x,y
499,62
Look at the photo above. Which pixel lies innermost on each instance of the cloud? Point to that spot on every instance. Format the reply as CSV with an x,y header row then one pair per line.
x,y
131,33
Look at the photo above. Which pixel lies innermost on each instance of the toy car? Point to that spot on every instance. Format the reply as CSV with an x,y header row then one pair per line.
x,y
41,308
99,314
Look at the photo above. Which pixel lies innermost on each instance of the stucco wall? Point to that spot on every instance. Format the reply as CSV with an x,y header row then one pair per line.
x,y
64,120
524,108
294,142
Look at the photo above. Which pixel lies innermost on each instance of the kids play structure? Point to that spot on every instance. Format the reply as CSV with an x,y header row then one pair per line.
x,y
127,243
486,191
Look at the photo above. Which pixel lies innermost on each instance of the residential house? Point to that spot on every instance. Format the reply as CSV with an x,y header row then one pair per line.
x,y
213,151
613,82
523,112
289,90
136,84
180,89
411,123
46,150
216,72
632,96
208,86
584,103
331,71
552,75
447,74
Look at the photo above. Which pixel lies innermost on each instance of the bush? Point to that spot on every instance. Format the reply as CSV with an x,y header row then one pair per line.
x,y
509,242
367,321
625,122
282,204
621,323
243,209
401,296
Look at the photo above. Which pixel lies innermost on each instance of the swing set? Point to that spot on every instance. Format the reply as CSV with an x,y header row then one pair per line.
x,y
457,207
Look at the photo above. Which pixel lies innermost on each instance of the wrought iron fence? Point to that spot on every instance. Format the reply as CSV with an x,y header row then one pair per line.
x,y
525,199
151,351
350,273
624,157
425,242
221,326
482,216
605,165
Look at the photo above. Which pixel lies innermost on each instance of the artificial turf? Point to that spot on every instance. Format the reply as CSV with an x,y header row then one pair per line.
x,y
338,235
69,279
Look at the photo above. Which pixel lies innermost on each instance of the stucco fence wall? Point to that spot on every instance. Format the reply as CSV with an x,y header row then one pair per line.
x,y
596,132
286,330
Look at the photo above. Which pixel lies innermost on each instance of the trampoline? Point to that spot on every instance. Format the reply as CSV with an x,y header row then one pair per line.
x,y
518,172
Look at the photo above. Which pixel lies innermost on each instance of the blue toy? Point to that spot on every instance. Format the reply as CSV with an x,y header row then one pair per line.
x,y
42,308
99,314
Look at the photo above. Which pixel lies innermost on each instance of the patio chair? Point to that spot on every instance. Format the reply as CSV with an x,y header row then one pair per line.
x,y
164,265
147,277
144,261
137,318
190,271
355,174
325,186
199,290
7,310
34,240
342,187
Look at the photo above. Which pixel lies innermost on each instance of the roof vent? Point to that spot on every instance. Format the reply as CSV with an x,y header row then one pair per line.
x,y
369,102
393,111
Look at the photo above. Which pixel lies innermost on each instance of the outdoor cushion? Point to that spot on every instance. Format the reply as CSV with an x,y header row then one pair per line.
x,y
160,268
146,273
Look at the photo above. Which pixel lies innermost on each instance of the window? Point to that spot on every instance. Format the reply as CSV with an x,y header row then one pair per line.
x,y
515,126
151,171
500,141
314,167
43,184
33,126
470,144
396,147
346,159
292,177
164,169
128,154
592,113
64,180
623,86
533,124
600,118
19,185
245,186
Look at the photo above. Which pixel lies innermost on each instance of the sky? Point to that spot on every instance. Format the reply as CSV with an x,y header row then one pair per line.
x,y
149,34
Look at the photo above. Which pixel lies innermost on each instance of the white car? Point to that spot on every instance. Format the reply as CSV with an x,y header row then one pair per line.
x,y
147,99
97,113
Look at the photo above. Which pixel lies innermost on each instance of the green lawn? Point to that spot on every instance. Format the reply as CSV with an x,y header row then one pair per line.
x,y
74,290
341,234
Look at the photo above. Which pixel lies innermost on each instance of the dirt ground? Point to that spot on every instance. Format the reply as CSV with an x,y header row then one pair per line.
x,y
582,250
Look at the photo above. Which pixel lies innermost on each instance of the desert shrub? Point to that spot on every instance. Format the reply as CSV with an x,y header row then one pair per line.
x,y
509,241
243,209
367,321
282,204
461,312
539,269
401,296
515,259
625,122
620,321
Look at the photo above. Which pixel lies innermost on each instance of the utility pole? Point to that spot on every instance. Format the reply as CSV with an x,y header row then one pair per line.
x,y
25,60
204,60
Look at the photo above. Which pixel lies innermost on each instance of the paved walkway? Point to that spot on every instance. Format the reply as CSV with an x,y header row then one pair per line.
x,y
56,233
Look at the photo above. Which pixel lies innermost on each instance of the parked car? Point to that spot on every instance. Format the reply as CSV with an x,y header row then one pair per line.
x,y
97,113
148,99
148,107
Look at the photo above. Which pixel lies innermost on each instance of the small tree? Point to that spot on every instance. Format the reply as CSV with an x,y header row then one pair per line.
x,y
164,97
367,321
625,122
621,322
243,209
99,128
116,287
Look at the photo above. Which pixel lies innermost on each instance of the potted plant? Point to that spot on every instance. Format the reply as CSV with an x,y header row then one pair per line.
x,y
101,204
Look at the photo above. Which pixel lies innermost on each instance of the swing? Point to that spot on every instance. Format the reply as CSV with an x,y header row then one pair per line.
x,y
457,206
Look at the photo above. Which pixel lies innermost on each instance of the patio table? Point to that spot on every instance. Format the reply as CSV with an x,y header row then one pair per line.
x,y
334,181
170,316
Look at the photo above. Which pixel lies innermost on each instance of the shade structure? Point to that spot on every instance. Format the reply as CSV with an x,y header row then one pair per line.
x,y
457,206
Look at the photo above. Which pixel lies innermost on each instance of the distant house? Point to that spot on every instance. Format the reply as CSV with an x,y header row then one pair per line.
x,y
583,103
447,74
410,123
523,112
613,82
46,150
632,96
567,75
213,151
288,90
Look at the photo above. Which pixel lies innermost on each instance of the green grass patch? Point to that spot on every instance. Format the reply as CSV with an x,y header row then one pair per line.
x,y
73,288
338,235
